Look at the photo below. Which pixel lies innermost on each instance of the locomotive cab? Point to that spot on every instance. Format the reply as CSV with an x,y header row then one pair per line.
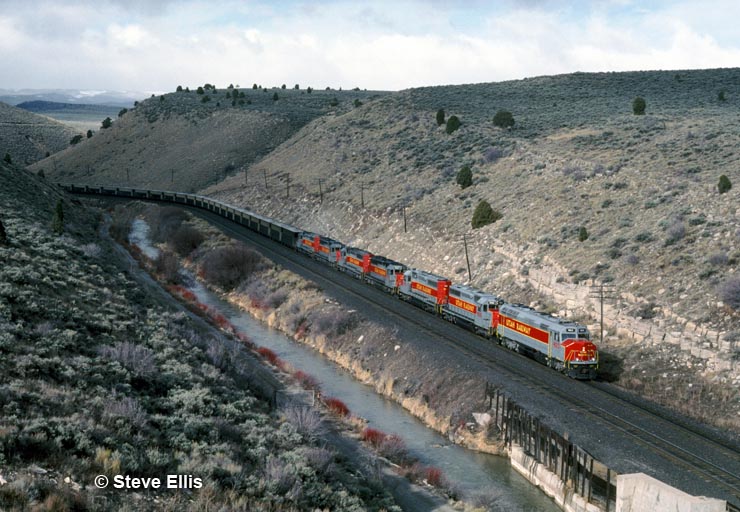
x,y
581,355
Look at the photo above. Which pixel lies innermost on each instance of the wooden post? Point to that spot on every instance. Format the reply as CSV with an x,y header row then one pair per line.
x,y
264,174
246,179
403,208
287,185
467,259
590,480
362,194
608,487
321,193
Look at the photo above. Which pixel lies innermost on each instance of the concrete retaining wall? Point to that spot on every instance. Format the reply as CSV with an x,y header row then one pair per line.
x,y
641,493
549,482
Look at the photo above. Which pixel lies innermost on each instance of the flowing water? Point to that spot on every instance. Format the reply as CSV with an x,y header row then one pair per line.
x,y
469,471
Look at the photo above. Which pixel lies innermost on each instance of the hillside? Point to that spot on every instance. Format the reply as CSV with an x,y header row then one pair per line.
x,y
28,137
644,187
186,141
102,375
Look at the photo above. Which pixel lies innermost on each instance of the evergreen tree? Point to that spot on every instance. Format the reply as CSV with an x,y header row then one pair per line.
x,y
3,235
638,106
89,134
440,117
465,177
582,234
57,222
724,184
107,123
484,215
453,123
503,119
76,139
179,88
274,97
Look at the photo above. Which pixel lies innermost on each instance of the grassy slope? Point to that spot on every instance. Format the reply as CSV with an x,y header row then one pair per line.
x,y
28,137
96,377
178,142
645,187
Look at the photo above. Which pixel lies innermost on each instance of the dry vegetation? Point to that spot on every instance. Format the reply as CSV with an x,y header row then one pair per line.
x,y
643,187
178,142
28,137
97,377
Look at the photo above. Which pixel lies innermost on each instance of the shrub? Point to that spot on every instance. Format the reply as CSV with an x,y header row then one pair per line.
x,y
392,447
333,102
718,259
724,184
730,292
228,266
89,134
75,140
434,476
274,96
107,123
721,96
3,235
373,436
57,221
453,123
179,88
306,381
582,234
465,177
269,355
186,239
638,106
7,158
336,406
122,112
676,232
306,421
165,222
138,359
333,322
357,103
492,154
167,266
200,90
484,215
503,119
309,90
440,117
205,99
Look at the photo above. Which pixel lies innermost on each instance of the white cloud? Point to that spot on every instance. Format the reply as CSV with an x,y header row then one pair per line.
x,y
116,45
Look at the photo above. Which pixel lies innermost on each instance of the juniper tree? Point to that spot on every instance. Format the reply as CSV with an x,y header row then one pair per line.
x,y
3,235
465,177
503,119
453,123
724,184
484,215
440,117
638,106
57,222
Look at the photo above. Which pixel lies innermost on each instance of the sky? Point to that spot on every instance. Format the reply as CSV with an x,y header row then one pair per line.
x,y
155,45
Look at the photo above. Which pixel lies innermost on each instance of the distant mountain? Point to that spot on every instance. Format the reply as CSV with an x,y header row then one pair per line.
x,y
90,97
44,107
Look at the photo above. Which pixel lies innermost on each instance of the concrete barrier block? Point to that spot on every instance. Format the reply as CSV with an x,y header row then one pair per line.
x,y
642,493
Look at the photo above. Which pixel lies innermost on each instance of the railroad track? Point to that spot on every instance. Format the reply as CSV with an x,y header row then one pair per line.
x,y
665,436
699,465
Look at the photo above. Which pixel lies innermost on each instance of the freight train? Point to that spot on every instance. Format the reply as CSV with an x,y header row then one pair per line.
x,y
559,343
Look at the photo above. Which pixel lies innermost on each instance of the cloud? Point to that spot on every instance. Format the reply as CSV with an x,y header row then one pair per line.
x,y
157,45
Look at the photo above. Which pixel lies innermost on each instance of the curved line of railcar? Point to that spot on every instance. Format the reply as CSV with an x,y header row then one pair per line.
x,y
558,343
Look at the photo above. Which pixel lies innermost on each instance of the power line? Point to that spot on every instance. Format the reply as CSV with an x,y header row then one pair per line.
x,y
602,292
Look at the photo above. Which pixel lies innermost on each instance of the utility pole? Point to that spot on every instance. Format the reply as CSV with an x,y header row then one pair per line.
x,y
246,180
172,179
287,185
128,180
264,174
362,195
467,259
403,209
602,292
321,193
